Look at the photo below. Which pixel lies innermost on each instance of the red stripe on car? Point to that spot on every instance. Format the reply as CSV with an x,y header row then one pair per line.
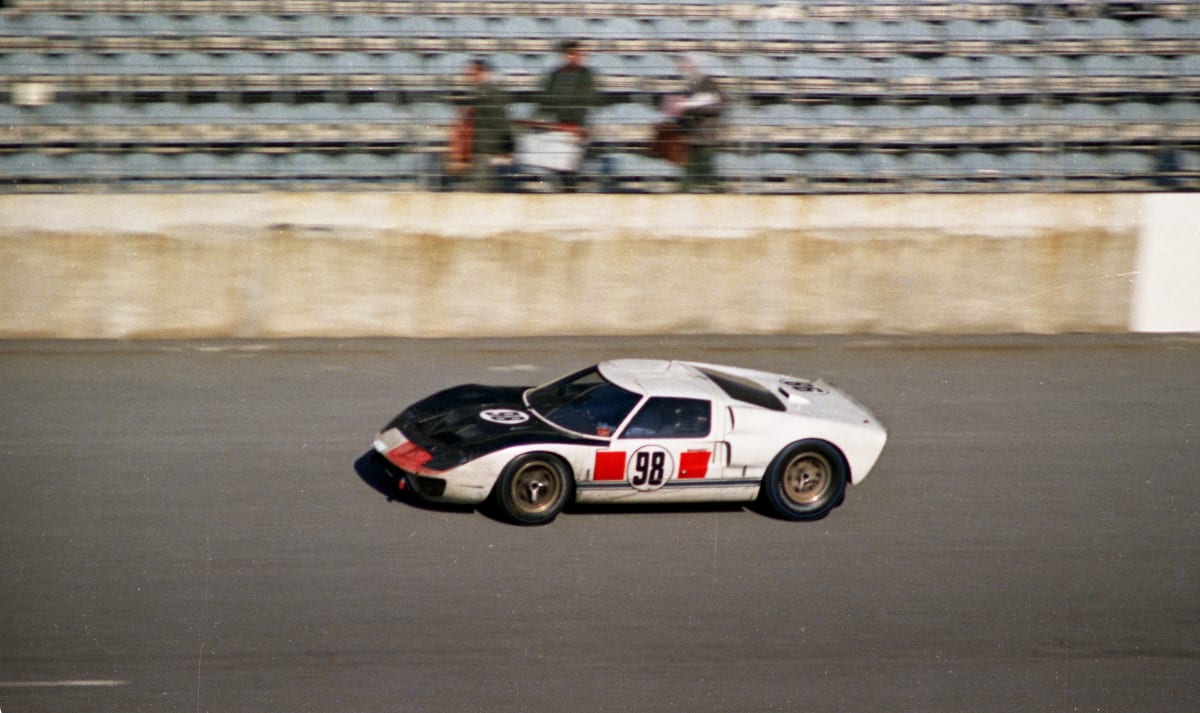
x,y
694,464
409,457
610,465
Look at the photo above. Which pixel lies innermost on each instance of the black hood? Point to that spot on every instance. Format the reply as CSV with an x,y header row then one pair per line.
x,y
466,422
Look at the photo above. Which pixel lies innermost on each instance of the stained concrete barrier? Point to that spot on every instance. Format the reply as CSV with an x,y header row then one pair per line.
x,y
429,264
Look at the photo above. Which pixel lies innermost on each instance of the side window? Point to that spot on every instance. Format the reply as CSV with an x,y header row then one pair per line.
x,y
671,418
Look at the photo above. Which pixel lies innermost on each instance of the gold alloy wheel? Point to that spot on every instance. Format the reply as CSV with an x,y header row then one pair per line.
x,y
536,487
807,479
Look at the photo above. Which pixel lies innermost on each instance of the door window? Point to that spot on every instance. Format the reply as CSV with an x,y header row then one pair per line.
x,y
663,417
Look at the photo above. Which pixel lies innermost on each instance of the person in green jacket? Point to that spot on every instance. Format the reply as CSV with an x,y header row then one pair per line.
x,y
567,94
485,111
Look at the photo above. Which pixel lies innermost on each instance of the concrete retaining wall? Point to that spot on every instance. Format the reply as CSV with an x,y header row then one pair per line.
x,y
423,264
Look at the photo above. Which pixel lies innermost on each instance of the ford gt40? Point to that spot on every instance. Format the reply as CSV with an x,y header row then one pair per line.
x,y
635,431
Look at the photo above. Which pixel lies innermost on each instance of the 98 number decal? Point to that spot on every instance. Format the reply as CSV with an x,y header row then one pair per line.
x,y
650,467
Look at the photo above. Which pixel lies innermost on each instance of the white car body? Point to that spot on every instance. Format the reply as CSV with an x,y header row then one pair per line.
x,y
753,416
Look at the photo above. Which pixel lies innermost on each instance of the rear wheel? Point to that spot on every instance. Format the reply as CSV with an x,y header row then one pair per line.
x,y
805,481
533,489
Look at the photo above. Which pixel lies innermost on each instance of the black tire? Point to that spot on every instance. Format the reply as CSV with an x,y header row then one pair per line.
x,y
533,489
805,481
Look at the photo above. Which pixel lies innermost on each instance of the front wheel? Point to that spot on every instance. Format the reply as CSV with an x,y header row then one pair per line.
x,y
533,489
805,481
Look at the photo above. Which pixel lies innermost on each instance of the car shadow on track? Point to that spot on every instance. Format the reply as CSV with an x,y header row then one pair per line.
x,y
376,476
652,508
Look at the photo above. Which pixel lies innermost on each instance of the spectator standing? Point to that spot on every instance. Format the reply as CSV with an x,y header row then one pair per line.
x,y
698,116
484,130
567,94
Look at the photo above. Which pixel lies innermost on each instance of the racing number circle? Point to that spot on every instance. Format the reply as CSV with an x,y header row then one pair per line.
x,y
649,468
504,416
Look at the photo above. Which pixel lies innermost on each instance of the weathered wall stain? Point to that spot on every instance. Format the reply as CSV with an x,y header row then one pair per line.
x,y
469,265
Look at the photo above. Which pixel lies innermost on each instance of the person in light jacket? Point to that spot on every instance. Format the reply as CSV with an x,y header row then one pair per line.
x,y
698,116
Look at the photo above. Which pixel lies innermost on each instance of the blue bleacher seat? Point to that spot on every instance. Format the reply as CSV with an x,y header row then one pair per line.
x,y
736,168
606,30
949,69
630,171
365,166
198,166
1084,114
36,25
977,166
1006,75
823,115
879,167
1135,112
515,66
89,165
568,26
431,113
1074,164
263,25
745,124
251,166
966,37
778,166
207,113
525,34
628,113
651,66
921,34
815,70
371,26
326,112
1181,112
756,68
886,116
28,166
937,123
1011,34
929,166
470,33
611,64
62,113
985,116
1028,165
308,165
830,165
721,34
770,32
146,166
1128,164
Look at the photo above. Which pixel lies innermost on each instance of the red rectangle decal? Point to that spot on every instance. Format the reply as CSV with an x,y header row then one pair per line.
x,y
694,464
409,457
610,465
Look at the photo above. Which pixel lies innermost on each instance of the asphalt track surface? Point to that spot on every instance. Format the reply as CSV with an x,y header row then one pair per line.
x,y
183,528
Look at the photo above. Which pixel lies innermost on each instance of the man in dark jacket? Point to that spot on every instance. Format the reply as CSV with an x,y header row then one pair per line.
x,y
567,94
485,115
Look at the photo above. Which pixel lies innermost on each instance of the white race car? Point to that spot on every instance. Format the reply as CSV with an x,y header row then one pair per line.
x,y
636,431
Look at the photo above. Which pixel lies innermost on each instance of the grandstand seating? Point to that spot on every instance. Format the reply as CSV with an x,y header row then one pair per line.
x,y
827,95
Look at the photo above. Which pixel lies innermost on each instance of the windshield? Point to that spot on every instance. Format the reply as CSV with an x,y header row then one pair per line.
x,y
584,402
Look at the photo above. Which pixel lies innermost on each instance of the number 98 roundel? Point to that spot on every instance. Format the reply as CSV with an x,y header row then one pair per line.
x,y
649,468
